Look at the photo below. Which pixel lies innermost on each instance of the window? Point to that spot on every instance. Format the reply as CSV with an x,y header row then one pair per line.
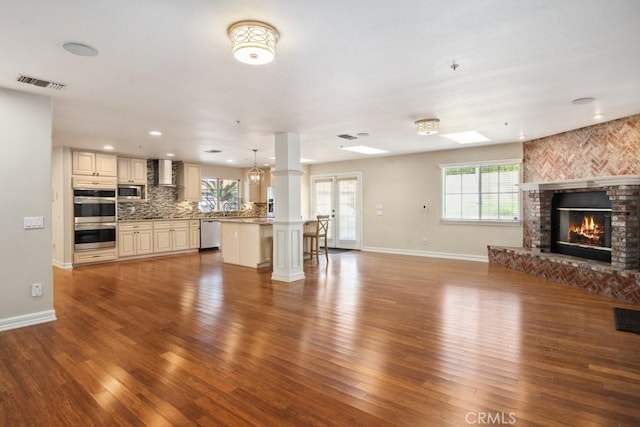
x,y
482,192
220,194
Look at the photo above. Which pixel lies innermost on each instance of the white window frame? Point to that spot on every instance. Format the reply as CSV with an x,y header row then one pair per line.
x,y
478,165
219,203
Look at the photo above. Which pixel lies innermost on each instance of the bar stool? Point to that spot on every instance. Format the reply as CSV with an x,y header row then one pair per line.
x,y
313,238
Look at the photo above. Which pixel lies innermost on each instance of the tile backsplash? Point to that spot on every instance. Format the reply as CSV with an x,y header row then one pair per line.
x,y
162,201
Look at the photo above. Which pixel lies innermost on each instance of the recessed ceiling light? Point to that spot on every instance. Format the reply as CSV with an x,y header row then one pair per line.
x,y
306,160
213,151
597,116
155,133
363,149
468,137
229,161
363,134
80,49
582,101
170,155
522,136
108,147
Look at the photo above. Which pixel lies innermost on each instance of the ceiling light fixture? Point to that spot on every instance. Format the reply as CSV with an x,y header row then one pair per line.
x,y
597,116
253,42
155,133
428,126
254,175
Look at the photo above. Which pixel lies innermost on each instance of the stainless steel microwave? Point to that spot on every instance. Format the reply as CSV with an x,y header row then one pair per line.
x,y
130,192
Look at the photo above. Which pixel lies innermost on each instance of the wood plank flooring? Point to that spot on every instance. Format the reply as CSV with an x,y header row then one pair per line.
x,y
370,340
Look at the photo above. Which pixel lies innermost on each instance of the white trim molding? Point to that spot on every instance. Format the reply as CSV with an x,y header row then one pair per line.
x,y
442,255
62,265
27,320
595,182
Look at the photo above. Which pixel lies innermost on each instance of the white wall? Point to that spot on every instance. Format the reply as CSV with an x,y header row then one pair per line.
x,y
403,185
25,258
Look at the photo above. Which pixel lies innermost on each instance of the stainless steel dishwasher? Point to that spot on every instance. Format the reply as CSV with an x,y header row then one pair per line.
x,y
209,233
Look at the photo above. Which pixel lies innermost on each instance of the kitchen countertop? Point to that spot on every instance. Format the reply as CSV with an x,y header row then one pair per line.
x,y
221,218
241,220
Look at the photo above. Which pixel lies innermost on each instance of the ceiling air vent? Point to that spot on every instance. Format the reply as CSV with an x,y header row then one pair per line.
x,y
347,137
40,83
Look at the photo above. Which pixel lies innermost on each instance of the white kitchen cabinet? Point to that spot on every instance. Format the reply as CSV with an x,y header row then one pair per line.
x,y
247,243
98,255
132,171
189,184
96,164
170,236
135,239
194,234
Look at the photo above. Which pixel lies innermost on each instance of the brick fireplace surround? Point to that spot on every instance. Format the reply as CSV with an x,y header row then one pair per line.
x,y
604,157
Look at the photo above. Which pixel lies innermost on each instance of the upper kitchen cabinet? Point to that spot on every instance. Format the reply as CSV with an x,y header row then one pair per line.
x,y
189,186
132,171
96,164
257,193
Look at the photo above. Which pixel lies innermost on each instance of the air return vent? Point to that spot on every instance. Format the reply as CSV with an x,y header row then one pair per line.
x,y
347,137
40,83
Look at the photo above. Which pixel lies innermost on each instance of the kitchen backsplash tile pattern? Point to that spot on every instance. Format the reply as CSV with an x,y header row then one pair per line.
x,y
162,202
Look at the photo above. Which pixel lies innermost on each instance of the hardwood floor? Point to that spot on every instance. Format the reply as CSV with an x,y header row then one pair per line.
x,y
369,340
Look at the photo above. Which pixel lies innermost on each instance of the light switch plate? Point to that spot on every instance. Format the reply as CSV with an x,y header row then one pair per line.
x,y
32,222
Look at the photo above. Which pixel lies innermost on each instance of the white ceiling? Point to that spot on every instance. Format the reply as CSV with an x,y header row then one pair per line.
x,y
370,66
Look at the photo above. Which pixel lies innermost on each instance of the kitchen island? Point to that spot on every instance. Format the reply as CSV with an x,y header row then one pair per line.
x,y
247,241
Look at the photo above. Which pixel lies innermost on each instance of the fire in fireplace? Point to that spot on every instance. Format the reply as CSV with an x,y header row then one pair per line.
x,y
581,225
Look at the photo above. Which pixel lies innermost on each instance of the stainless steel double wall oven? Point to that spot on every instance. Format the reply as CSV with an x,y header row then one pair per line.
x,y
94,218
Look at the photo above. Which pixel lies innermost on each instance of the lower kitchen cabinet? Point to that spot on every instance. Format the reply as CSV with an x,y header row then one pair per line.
x,y
170,236
135,239
98,255
194,234
247,243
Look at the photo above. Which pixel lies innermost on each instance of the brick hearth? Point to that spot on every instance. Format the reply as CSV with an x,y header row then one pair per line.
x,y
593,276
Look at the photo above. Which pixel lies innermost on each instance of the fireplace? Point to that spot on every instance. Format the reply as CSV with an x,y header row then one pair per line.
x,y
581,225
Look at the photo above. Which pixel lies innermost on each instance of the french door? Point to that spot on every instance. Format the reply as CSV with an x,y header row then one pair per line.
x,y
339,196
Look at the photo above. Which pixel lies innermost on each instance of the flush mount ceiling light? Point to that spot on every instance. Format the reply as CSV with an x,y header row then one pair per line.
x,y
427,126
253,42
254,175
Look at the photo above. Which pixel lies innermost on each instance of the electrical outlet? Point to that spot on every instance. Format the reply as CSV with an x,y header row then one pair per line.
x,y
36,290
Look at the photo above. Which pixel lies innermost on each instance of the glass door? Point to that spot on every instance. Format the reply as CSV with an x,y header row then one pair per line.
x,y
340,197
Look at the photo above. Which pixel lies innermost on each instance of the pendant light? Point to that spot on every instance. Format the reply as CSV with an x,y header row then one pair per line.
x,y
254,175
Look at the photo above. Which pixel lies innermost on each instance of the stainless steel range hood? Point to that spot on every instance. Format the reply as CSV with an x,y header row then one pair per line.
x,y
163,174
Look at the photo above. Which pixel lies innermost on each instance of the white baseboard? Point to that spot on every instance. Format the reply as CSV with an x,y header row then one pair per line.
x,y
27,320
445,255
63,265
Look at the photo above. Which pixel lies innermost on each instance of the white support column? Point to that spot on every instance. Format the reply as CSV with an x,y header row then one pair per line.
x,y
288,223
